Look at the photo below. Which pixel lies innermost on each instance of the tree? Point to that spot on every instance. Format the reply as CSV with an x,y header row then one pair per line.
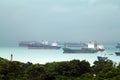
x,y
34,71
102,65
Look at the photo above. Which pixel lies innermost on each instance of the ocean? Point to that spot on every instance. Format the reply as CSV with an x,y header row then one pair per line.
x,y
23,54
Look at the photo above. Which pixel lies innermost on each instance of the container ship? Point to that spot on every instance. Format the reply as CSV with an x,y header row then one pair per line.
x,y
88,48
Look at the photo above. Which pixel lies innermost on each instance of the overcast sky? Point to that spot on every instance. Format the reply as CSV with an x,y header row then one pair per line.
x,y
61,20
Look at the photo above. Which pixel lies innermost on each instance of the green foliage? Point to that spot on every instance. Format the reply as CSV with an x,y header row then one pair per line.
x,y
101,65
66,70
34,71
86,76
10,70
118,66
61,77
73,68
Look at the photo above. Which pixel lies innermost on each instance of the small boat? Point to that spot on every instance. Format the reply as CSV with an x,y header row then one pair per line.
x,y
118,45
118,52
102,56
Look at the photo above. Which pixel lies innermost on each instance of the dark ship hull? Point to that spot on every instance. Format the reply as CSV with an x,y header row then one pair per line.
x,y
101,50
117,53
41,46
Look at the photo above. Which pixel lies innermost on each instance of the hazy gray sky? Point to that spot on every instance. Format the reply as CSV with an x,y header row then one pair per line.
x,y
61,20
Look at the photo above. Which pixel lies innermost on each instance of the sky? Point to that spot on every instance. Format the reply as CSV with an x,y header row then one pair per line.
x,y
59,20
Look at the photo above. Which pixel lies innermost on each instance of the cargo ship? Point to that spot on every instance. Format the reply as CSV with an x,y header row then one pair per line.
x,y
89,48
118,47
44,45
82,50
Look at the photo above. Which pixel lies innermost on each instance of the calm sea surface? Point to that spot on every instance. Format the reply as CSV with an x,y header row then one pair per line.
x,y
23,54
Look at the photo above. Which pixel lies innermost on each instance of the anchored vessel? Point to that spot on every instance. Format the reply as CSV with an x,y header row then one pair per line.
x,y
89,48
118,52
102,57
44,45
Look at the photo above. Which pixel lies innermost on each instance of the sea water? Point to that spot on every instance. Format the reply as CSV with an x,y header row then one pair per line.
x,y
41,56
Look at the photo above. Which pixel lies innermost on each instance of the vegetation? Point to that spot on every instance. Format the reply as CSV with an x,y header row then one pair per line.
x,y
66,70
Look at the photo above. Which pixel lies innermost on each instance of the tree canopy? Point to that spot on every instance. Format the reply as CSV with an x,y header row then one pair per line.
x,y
64,70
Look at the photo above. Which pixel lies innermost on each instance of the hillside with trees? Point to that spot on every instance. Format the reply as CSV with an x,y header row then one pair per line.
x,y
65,70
